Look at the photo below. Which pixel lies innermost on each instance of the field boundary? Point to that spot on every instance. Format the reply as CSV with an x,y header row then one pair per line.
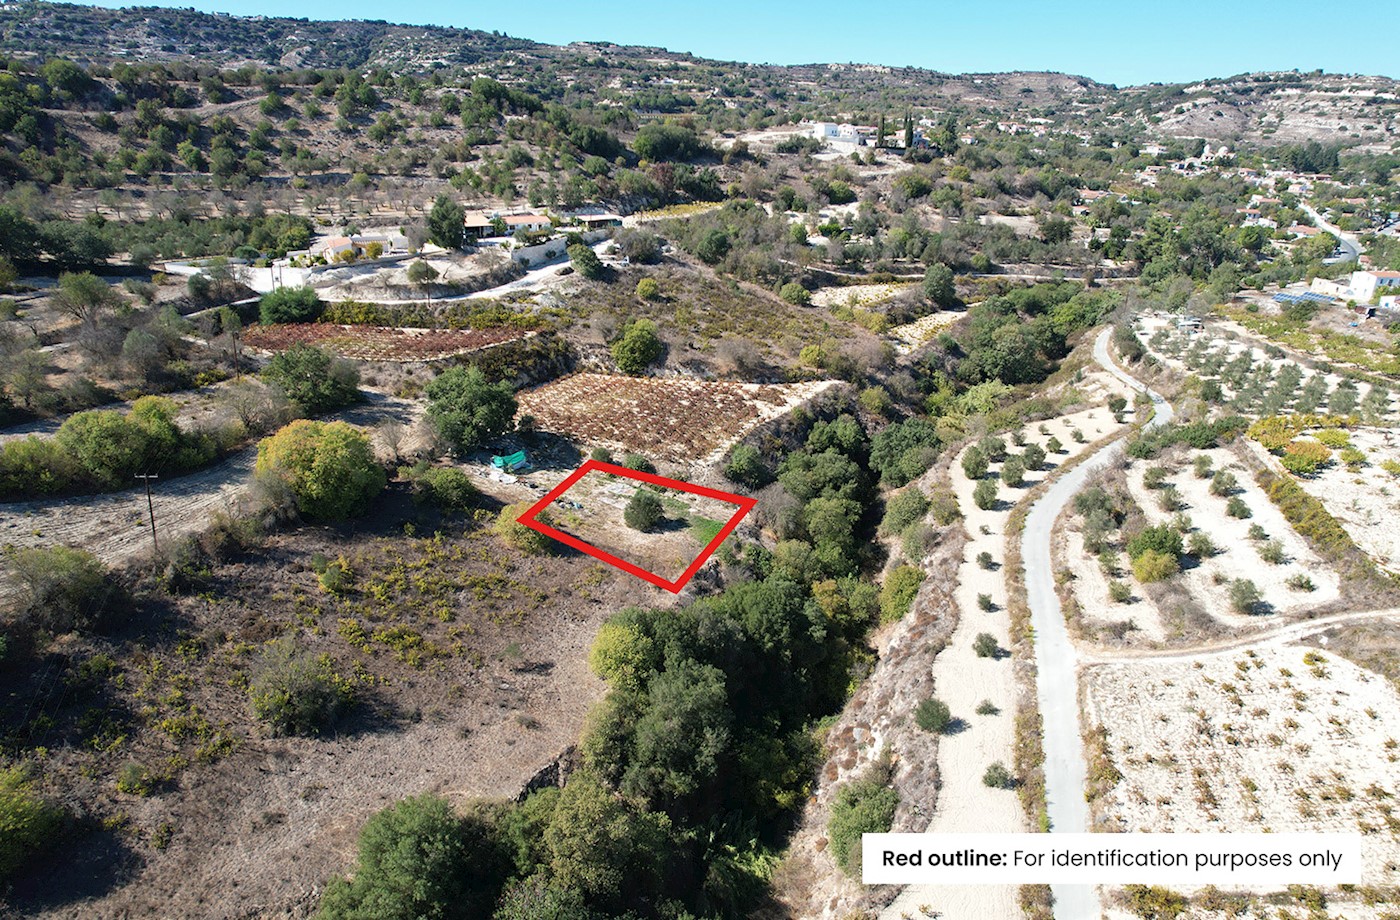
x,y
531,519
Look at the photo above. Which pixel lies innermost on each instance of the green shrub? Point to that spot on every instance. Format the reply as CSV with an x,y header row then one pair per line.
x,y
984,602
865,806
134,779
418,859
1236,508
1272,552
1244,596
987,708
1223,483
902,510
336,577
1169,499
1033,457
1161,538
585,261
747,468
638,462
516,534
1203,466
1152,566
984,560
289,305
28,824
985,645
648,289
943,507
601,454
933,715
993,448
1054,446
329,467
1257,532
795,294
998,777
1154,902
446,487
313,378
1119,591
898,592
637,348
60,589
1200,545
1300,582
974,463
1013,472
295,692
643,511
1155,476
985,495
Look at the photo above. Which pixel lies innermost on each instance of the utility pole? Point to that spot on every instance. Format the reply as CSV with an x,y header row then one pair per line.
x,y
151,508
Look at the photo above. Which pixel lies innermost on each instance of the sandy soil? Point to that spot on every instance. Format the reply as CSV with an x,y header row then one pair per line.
x,y
1366,502
963,681
1098,609
856,295
911,335
1238,555
1272,737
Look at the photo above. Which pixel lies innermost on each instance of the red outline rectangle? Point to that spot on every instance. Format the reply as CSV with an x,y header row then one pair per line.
x,y
529,519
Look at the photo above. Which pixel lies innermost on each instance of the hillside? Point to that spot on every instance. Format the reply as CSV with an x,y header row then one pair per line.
x,y
1269,108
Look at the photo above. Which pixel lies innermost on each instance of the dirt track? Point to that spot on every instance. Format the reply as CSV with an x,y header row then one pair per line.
x,y
115,527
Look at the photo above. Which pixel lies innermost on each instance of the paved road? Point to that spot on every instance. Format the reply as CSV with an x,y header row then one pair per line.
x,y
1057,683
1347,242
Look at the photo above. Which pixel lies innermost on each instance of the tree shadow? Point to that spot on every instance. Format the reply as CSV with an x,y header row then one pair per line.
x,y
93,862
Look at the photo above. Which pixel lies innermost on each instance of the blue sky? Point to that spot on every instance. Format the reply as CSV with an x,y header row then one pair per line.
x,y
1123,42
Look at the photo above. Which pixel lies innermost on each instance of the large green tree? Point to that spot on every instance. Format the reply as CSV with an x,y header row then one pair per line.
x,y
313,378
445,223
468,409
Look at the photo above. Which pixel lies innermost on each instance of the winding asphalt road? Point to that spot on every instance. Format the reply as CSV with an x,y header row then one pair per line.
x,y
1057,683
1346,242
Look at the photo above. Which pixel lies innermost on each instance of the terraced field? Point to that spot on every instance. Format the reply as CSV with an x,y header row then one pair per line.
x,y
674,419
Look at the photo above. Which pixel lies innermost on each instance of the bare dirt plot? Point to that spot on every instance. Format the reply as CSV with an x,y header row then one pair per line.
x,y
469,661
378,343
857,295
675,419
1366,502
592,510
1276,738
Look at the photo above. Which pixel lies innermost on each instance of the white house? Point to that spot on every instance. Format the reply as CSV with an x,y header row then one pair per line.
x,y
1365,285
